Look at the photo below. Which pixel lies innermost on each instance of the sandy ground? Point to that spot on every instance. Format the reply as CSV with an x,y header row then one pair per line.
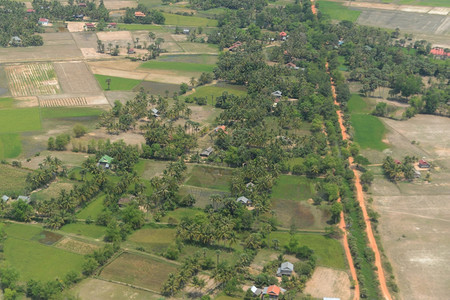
x,y
115,5
75,26
415,217
327,282
75,77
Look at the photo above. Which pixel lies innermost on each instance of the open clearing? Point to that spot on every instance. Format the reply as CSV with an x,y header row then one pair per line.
x,y
32,79
19,120
210,177
338,11
149,168
75,77
414,222
116,83
75,246
337,284
153,239
139,270
12,179
98,289
89,230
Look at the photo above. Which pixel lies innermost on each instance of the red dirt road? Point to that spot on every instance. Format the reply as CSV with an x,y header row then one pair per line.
x,y
360,197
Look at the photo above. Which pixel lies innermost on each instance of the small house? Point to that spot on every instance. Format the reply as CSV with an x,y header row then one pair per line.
x,y
82,4
5,198
221,127
397,162
277,94
424,164
235,46
244,200
30,10
43,22
283,35
292,66
80,16
272,292
131,51
155,112
186,31
439,52
250,186
112,25
207,152
286,268
256,291
105,162
417,174
15,40
139,14
89,26
25,199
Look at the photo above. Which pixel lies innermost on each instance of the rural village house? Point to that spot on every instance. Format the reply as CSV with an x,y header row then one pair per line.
x,y
155,112
5,198
43,22
139,14
424,164
272,292
207,152
244,200
105,162
25,199
286,268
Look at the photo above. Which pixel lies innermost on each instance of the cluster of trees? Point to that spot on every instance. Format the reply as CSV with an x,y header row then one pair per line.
x,y
396,170
151,16
54,10
231,4
59,143
48,170
15,22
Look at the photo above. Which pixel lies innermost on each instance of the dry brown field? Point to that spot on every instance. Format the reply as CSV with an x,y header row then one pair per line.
x,y
75,77
337,284
415,217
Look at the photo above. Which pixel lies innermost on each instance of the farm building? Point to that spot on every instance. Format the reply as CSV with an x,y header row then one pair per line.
x,y
439,52
235,46
43,22
5,198
89,26
256,291
112,25
139,14
105,162
283,35
417,174
25,199
131,51
244,200
221,127
82,4
207,152
286,268
272,292
186,31
424,164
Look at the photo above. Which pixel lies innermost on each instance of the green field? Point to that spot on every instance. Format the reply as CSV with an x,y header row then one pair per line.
x,y
177,66
369,130
210,177
34,260
181,213
207,59
208,91
338,11
329,252
149,168
292,187
139,270
19,120
122,26
93,209
6,103
72,112
153,239
10,145
178,20
12,179
117,83
89,230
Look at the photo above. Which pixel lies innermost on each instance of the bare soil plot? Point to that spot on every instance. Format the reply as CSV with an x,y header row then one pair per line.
x,y
57,46
86,39
128,137
139,270
98,289
121,38
327,282
32,79
300,214
75,26
158,88
76,246
122,96
202,195
53,190
114,5
415,217
69,159
75,77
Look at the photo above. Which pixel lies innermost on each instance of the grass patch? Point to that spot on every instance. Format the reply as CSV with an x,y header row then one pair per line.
x,y
181,213
148,168
10,145
369,131
19,120
72,112
210,177
52,191
139,270
177,66
122,26
22,231
93,209
297,188
6,103
216,91
12,179
442,3
89,230
300,214
202,196
337,11
153,239
328,251
34,260
342,66
117,83
178,20
357,105
207,59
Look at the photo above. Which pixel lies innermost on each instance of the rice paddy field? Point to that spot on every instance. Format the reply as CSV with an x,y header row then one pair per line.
x,y
210,177
12,179
32,79
179,20
338,11
177,66
117,83
155,240
89,230
19,120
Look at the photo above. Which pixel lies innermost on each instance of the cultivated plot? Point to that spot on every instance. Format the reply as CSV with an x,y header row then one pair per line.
x,y
75,77
32,79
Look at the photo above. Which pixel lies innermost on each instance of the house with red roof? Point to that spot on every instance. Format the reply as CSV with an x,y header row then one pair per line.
x,y
43,22
82,4
235,46
283,35
112,25
272,292
439,52
221,127
30,10
424,164
139,14
292,66
89,26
